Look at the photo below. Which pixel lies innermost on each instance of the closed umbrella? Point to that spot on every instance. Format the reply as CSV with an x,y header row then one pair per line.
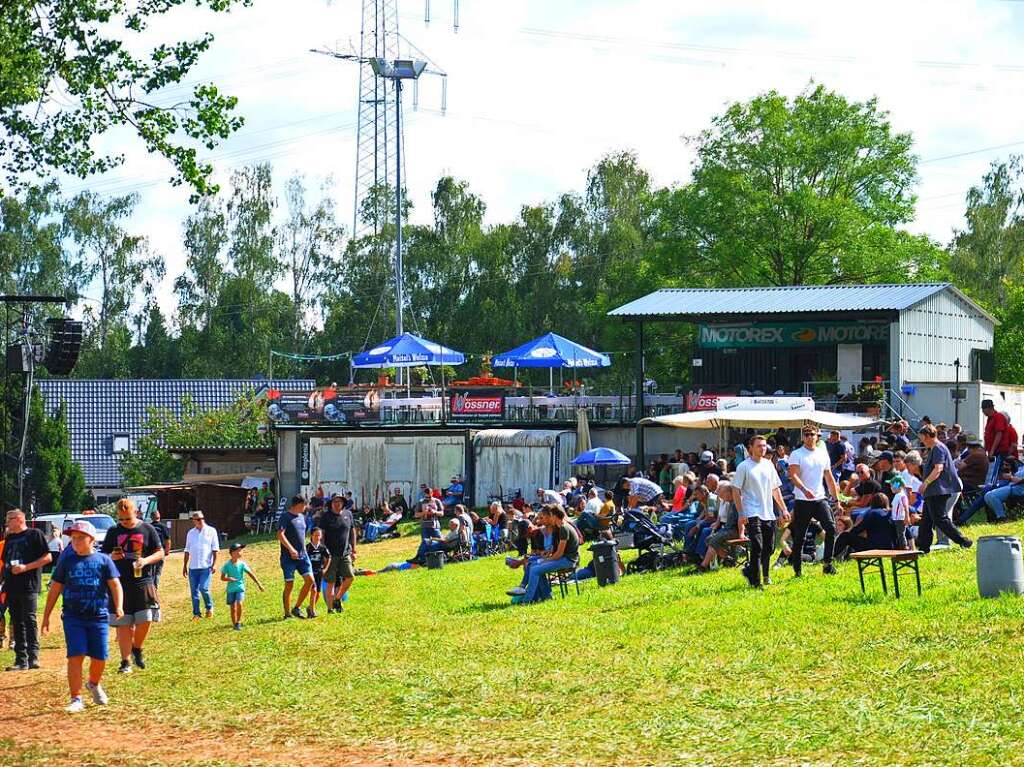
x,y
583,436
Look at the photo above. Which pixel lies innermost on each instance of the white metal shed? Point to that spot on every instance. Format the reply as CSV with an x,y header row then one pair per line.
x,y
507,460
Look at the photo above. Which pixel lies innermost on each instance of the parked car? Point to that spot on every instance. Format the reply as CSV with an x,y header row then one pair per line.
x,y
62,522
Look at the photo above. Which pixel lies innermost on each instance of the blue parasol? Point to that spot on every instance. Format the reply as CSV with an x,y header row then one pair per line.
x,y
601,456
551,351
407,351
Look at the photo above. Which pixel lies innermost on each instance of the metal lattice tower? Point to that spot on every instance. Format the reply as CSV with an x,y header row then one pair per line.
x,y
375,132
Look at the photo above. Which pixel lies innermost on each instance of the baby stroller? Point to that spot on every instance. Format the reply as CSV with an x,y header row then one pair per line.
x,y
656,546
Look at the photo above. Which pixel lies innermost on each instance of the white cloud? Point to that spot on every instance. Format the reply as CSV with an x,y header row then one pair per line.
x,y
539,90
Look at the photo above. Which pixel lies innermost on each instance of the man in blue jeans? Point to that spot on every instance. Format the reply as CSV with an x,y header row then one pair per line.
x,y
291,534
201,546
564,554
996,499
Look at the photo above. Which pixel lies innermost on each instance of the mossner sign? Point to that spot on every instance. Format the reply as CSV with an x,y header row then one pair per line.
x,y
792,334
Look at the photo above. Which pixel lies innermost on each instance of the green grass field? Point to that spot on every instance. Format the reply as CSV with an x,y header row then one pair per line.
x,y
661,669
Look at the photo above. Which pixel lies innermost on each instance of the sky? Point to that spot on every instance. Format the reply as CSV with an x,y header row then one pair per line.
x,y
539,90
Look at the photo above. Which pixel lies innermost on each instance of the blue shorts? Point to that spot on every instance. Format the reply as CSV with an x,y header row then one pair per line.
x,y
235,596
290,566
86,637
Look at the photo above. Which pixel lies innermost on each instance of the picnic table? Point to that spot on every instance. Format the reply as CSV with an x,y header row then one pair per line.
x,y
901,560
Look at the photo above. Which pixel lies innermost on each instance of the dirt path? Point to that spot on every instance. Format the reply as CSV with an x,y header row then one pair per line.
x,y
31,714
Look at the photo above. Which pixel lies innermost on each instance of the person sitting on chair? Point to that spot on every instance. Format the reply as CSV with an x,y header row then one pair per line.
x,y
449,542
453,493
872,529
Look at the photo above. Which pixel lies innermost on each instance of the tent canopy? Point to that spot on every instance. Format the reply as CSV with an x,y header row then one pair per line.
x,y
406,351
713,419
551,351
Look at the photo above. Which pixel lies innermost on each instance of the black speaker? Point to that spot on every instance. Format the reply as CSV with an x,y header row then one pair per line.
x,y
17,361
63,346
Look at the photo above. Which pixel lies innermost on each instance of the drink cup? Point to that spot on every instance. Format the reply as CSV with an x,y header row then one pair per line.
x,y
137,564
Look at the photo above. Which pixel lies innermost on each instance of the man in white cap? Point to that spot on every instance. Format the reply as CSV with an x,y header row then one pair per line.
x,y
88,582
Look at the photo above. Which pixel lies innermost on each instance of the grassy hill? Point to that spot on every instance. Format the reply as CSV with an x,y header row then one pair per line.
x,y
437,667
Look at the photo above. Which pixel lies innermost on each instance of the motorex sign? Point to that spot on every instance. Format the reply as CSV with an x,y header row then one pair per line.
x,y
791,334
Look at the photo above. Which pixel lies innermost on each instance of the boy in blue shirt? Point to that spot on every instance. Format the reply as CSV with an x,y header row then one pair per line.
x,y
233,573
89,582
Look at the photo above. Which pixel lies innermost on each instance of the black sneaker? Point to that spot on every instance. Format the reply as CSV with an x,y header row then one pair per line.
x,y
124,668
17,667
34,664
137,657
830,569
297,613
968,543
337,606
310,612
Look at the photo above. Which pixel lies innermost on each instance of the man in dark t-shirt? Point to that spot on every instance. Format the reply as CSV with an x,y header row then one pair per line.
x,y
291,534
25,554
135,547
340,540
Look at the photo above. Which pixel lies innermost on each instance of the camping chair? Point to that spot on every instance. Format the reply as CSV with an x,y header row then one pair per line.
x,y
562,577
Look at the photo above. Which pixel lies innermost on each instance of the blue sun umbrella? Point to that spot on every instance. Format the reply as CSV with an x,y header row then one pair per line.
x,y
601,456
551,351
406,351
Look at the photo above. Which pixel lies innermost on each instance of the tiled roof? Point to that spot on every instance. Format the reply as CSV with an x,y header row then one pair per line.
x,y
100,410
698,302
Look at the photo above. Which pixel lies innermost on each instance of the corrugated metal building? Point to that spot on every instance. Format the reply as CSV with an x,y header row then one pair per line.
x,y
777,338
506,460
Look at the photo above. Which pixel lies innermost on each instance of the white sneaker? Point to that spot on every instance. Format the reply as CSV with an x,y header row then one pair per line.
x,y
76,706
518,591
99,695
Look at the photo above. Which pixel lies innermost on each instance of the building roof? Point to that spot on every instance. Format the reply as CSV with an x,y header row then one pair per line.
x,y
802,299
100,410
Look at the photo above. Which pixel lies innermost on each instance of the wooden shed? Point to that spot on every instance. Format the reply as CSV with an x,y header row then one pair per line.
x,y
223,507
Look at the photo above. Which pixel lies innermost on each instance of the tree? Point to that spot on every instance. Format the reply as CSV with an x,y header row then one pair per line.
x,y
72,70
118,260
33,258
801,191
156,354
988,254
308,243
239,424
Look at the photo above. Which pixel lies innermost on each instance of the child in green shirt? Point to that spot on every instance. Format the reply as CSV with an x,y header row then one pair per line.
x,y
233,573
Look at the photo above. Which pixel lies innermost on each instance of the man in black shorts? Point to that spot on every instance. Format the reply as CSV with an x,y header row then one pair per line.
x,y
340,539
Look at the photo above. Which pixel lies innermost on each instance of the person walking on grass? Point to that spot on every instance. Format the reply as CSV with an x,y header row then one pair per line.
x,y
319,559
340,539
165,543
757,487
810,472
135,547
233,573
201,546
25,554
88,581
940,487
291,534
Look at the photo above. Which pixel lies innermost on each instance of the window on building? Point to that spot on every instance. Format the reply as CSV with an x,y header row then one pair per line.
x,y
122,443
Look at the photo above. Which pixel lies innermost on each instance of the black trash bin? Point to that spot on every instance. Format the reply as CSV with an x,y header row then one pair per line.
x,y
435,560
606,562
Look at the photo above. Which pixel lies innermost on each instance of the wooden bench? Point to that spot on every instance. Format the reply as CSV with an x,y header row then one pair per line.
x,y
740,548
561,578
901,560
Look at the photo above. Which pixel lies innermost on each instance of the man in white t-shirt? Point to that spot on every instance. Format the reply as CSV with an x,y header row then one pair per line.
x,y
810,471
758,483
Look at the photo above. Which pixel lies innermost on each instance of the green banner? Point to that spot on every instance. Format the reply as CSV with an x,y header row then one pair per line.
x,y
777,334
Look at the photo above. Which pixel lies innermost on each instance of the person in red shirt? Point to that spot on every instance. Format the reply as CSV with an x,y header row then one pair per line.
x,y
997,435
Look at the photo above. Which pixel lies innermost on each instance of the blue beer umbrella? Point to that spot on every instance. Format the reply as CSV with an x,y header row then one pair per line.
x,y
551,351
406,351
601,456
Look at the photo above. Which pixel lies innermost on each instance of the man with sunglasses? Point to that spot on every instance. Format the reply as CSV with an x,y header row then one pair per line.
x,y
810,472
